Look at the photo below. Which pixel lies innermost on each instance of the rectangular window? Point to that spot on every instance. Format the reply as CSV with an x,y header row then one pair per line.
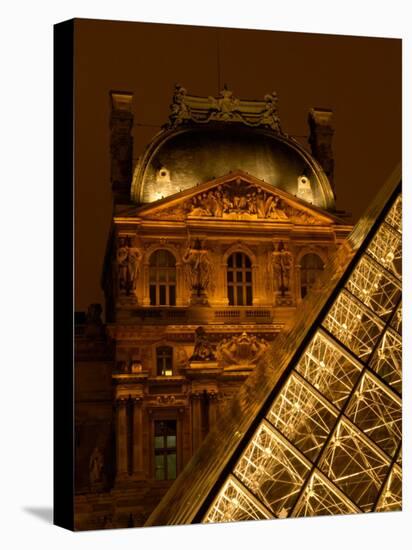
x,y
152,295
172,295
165,449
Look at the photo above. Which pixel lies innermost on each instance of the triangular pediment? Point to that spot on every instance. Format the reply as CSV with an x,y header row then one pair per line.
x,y
236,196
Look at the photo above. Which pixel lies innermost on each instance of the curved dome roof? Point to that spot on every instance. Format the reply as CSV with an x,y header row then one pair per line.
x,y
195,150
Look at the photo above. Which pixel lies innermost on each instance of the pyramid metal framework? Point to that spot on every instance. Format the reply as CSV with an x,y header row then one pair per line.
x,y
330,441
316,429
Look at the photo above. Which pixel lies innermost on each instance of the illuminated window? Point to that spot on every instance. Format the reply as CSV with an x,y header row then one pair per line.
x,y
162,278
164,361
239,280
165,449
311,266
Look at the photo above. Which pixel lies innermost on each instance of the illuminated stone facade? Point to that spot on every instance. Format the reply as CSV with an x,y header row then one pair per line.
x,y
318,423
201,274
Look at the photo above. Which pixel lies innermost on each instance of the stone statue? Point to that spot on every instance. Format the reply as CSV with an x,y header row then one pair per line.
x,y
128,263
270,115
203,350
282,263
96,466
179,109
198,268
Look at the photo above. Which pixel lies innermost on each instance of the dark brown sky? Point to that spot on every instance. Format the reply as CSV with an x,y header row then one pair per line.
x,y
359,78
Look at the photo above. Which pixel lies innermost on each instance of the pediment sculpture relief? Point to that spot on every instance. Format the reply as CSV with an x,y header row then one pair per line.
x,y
237,200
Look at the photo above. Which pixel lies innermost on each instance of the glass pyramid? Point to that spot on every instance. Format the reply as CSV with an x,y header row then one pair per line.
x,y
317,427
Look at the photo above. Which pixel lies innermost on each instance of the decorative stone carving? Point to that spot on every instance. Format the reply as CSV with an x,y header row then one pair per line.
x,y
203,350
224,108
236,200
198,269
244,349
270,115
179,109
96,466
282,264
128,265
224,105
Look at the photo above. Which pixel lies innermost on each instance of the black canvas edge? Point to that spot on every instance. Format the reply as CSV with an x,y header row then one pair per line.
x,y
63,275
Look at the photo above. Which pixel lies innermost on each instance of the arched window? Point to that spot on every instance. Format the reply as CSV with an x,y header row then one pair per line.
x,y
239,280
311,266
162,278
164,361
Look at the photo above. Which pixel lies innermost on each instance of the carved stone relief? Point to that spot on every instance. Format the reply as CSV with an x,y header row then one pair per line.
x,y
237,200
241,349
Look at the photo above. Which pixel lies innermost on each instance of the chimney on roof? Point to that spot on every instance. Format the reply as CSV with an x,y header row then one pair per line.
x,y
121,145
320,139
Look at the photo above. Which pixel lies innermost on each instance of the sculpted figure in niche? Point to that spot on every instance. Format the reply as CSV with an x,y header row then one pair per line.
x,y
96,466
203,349
282,263
198,268
128,263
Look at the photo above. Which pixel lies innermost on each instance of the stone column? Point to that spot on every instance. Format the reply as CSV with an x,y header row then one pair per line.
x,y
213,398
256,285
145,283
220,296
196,421
137,437
121,438
179,285
296,280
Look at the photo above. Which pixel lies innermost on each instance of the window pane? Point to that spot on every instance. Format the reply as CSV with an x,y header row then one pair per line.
x,y
162,295
249,295
159,467
159,442
171,466
171,441
230,276
239,260
231,296
152,295
248,276
239,301
172,295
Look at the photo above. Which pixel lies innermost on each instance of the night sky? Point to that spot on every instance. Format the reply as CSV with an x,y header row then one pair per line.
x,y
359,78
